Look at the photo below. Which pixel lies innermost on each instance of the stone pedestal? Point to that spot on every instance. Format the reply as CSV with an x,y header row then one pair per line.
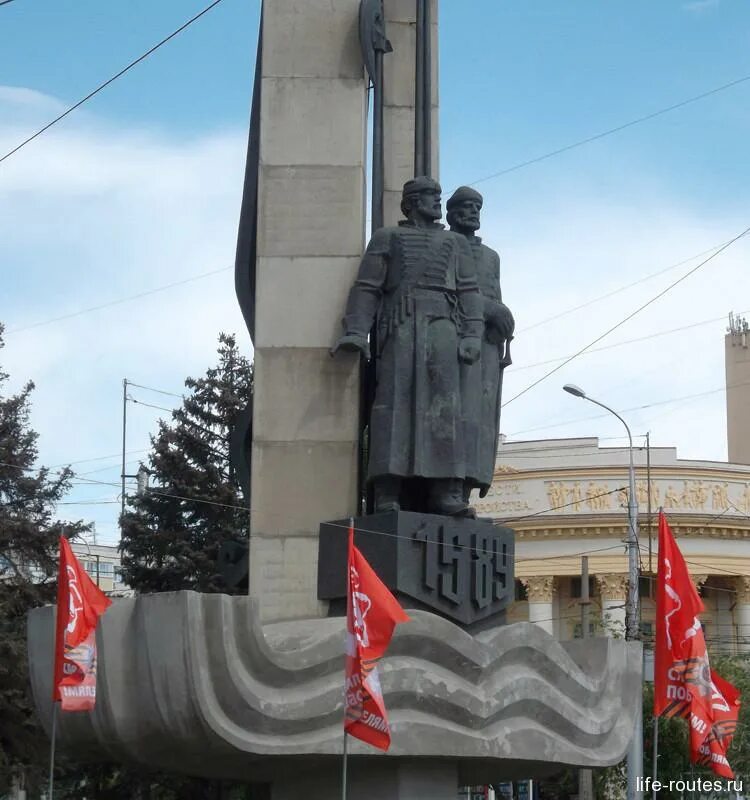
x,y
375,779
311,215
459,568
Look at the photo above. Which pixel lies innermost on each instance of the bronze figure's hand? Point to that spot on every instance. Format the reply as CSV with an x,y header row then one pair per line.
x,y
469,349
352,343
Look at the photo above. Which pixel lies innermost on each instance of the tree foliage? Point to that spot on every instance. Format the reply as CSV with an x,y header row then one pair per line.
x,y
29,535
173,531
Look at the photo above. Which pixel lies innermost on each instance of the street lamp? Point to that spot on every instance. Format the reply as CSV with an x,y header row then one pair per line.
x,y
635,753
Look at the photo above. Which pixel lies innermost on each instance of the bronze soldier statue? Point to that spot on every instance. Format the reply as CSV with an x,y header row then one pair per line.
x,y
482,381
419,280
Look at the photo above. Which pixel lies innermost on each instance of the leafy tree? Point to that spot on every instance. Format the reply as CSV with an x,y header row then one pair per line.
x,y
674,757
172,532
29,536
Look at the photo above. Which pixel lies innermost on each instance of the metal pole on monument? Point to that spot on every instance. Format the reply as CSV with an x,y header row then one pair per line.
x,y
632,606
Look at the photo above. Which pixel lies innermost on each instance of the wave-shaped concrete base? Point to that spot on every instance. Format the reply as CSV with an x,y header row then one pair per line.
x,y
193,683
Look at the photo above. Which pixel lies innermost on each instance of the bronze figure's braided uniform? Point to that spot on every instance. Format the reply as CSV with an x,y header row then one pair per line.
x,y
419,280
482,381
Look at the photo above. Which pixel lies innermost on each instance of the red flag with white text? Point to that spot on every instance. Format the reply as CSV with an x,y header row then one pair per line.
x,y
684,683
372,613
725,706
80,603
681,670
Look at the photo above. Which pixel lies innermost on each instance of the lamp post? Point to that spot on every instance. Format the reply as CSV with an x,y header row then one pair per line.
x,y
635,752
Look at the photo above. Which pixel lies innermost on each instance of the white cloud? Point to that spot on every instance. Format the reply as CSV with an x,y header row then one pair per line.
x,y
700,6
93,213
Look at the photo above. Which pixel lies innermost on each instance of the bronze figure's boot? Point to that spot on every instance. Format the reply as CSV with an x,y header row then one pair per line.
x,y
387,489
447,497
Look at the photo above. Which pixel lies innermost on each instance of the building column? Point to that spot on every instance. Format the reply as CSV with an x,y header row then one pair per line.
x,y
613,589
742,613
540,592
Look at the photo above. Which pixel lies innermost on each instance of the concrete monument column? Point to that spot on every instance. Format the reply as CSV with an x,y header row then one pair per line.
x,y
311,215
540,591
613,589
742,613
399,99
374,779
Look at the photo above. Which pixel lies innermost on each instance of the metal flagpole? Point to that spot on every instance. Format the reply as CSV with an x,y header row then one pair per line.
x,y
346,735
343,767
655,765
52,752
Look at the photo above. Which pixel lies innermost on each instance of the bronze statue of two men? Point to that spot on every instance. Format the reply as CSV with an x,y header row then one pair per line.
x,y
441,344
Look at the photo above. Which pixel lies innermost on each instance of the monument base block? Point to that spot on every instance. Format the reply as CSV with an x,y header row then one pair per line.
x,y
461,569
194,683
375,779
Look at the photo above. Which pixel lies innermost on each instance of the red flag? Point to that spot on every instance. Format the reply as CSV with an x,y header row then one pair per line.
x,y
681,668
372,613
725,705
80,603
684,683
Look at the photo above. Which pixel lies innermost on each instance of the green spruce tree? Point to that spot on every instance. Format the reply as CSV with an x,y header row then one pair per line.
x,y
29,536
173,531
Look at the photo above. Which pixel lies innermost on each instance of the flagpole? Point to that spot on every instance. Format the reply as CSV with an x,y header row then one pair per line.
x,y
52,752
655,766
343,767
346,735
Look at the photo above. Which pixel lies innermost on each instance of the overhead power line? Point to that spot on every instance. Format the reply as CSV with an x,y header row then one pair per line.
x,y
162,391
609,294
5,2
632,408
625,342
108,81
119,301
611,131
629,316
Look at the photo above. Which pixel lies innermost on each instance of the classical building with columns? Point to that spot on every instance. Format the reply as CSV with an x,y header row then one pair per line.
x,y
567,498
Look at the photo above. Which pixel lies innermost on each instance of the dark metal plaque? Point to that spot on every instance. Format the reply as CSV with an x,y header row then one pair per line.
x,y
459,568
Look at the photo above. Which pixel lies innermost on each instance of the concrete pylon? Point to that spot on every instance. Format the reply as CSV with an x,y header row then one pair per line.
x,y
311,218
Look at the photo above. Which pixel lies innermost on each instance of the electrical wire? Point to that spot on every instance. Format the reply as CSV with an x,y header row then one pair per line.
x,y
149,405
611,131
629,316
632,408
118,301
625,342
591,302
170,394
109,81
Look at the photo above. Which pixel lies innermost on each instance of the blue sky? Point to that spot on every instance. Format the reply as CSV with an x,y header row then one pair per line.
x,y
141,187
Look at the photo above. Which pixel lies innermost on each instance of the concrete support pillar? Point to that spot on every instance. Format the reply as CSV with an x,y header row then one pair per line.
x,y
398,101
613,589
540,591
374,779
742,613
311,214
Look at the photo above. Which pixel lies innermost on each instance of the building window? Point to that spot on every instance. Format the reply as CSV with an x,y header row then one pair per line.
x,y
575,587
647,586
520,591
